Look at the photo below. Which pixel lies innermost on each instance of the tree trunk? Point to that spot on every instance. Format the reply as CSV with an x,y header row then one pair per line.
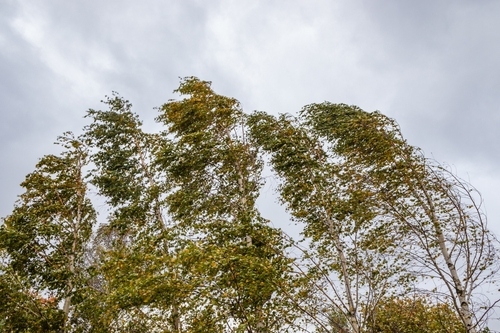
x,y
463,308
351,315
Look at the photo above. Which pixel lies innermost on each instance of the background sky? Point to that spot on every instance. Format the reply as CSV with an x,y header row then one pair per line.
x,y
432,65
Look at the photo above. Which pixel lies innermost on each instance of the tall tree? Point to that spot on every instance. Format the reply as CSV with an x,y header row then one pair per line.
x,y
217,174
437,216
185,248
137,263
46,234
352,261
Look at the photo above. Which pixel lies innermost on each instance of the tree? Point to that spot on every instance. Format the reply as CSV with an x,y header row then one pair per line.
x,y
184,247
136,248
215,263
239,259
435,214
353,260
45,236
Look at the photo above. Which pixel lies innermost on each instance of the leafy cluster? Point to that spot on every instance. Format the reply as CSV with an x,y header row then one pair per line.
x,y
393,242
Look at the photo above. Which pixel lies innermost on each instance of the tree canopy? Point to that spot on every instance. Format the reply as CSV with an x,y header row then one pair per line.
x,y
392,241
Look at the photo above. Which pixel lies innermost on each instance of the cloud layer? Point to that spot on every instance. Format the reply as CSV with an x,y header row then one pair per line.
x,y
432,65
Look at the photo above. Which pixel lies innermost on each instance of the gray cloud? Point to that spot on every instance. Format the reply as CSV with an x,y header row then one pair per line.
x,y
444,61
433,65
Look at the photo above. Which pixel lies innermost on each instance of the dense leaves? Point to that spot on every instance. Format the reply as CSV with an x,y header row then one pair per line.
x,y
24,310
414,315
445,231
217,176
46,234
183,247
350,243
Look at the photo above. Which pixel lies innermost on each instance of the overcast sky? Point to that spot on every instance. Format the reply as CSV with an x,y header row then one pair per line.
x,y
432,65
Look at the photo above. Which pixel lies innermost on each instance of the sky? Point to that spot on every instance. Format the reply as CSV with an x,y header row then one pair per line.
x,y
433,65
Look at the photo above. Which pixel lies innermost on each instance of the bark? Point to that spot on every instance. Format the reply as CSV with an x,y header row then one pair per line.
x,y
76,229
463,303
176,318
351,315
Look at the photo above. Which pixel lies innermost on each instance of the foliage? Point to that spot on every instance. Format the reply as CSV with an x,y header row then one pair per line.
x,y
350,243
24,310
414,315
45,236
445,231
184,248
135,251
217,174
